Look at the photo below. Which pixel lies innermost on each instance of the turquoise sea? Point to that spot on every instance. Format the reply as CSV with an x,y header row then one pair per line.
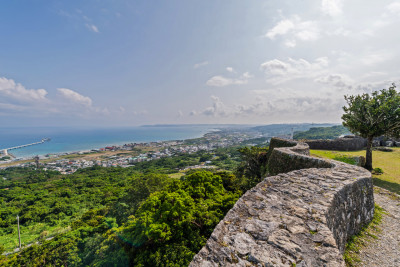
x,y
65,139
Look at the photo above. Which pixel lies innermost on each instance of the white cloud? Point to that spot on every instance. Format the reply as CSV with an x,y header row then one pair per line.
x,y
75,97
275,67
221,81
337,80
340,31
290,43
272,105
141,112
201,64
374,75
92,27
11,107
217,109
332,7
375,57
16,100
281,28
247,75
10,88
230,69
279,71
307,31
295,29
393,7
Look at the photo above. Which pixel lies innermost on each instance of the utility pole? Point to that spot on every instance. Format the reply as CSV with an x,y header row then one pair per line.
x,y
37,162
19,233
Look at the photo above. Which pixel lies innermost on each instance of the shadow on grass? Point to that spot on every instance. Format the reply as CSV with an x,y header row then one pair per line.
x,y
392,187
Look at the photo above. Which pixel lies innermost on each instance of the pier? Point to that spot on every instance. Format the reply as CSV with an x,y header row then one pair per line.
x,y
5,150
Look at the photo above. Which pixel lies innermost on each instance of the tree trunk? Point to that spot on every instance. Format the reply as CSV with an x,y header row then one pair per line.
x,y
368,156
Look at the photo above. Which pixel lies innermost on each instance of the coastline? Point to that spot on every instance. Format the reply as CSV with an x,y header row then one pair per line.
x,y
81,152
98,152
72,141
129,154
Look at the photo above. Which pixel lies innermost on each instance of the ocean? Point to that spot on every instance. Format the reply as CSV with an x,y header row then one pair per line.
x,y
65,139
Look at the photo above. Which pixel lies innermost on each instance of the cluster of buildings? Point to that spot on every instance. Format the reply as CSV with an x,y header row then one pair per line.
x,y
142,152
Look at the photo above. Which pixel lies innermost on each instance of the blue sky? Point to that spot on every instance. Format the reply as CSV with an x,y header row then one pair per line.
x,y
123,63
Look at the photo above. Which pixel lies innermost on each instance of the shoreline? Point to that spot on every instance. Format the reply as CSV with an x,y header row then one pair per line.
x,y
68,141
97,148
116,148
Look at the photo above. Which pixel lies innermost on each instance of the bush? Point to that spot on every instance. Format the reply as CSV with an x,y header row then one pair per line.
x,y
377,171
43,235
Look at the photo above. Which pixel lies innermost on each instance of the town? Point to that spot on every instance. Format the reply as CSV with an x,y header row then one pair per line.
x,y
128,154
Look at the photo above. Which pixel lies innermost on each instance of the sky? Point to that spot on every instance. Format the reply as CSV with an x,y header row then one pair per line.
x,y
128,63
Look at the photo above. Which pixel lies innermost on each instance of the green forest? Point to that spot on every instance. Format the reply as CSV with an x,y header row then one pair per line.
x,y
136,216
322,133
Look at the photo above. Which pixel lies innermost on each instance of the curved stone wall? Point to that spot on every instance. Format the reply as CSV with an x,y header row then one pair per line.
x,y
302,217
286,159
342,144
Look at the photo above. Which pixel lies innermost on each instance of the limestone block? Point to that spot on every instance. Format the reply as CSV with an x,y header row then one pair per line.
x,y
376,143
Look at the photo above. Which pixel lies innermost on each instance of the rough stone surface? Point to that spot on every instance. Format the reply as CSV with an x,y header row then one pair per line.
x,y
360,160
302,217
343,144
376,143
285,159
389,143
383,149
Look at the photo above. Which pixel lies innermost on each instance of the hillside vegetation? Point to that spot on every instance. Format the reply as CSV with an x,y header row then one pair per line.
x,y
322,133
145,215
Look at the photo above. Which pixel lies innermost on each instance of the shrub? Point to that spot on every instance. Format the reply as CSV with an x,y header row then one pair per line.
x,y
377,171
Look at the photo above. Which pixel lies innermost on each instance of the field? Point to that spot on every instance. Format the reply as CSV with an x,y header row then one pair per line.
x,y
389,162
30,234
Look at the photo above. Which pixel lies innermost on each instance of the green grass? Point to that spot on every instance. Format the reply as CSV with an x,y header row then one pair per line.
x,y
29,234
387,161
357,242
176,175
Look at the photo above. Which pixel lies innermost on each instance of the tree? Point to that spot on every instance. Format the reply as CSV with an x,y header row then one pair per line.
x,y
253,165
373,115
172,225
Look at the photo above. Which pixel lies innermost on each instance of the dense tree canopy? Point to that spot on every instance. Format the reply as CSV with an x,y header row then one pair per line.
x,y
322,133
136,216
253,165
115,216
373,115
172,225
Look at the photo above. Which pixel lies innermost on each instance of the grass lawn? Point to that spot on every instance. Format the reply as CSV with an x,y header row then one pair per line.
x,y
29,235
176,175
389,162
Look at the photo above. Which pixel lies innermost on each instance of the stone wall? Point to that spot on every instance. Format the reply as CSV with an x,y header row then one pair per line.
x,y
302,217
286,159
343,144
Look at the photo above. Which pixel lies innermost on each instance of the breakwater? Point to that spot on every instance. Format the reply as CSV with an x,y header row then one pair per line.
x,y
5,150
